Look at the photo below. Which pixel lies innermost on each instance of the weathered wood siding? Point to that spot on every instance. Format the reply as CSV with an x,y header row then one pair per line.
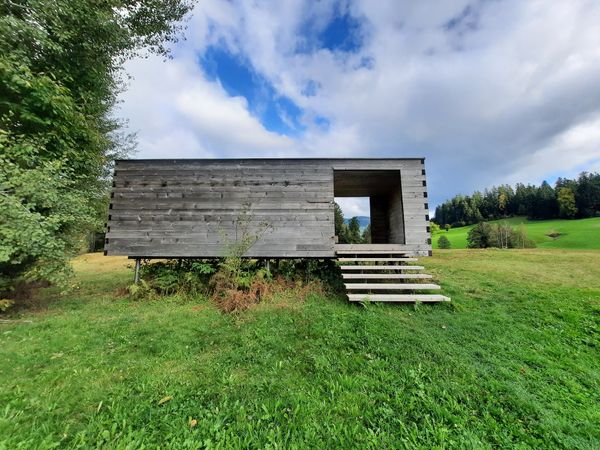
x,y
189,208
396,218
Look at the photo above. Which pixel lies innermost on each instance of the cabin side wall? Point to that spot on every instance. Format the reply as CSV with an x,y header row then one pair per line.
x,y
178,208
415,206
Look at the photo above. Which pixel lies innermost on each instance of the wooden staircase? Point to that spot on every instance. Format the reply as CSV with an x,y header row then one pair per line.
x,y
380,275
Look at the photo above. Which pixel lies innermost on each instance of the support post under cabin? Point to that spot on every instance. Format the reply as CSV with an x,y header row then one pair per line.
x,y
136,276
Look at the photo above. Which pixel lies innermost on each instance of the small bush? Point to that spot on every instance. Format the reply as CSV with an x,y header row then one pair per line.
x,y
444,243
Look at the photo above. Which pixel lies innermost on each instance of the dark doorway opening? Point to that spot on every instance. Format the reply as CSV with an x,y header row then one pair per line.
x,y
384,191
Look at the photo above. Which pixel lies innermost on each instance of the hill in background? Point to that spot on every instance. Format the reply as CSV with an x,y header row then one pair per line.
x,y
567,234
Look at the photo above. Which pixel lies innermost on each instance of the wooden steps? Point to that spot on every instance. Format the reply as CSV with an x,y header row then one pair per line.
x,y
386,276
425,298
369,252
377,259
391,286
387,267
380,275
362,248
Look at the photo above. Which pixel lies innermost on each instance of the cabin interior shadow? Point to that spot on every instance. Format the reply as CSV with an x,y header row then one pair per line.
x,y
384,191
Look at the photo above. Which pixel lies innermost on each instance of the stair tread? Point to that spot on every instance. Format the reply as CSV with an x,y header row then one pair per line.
x,y
398,298
382,276
376,259
392,286
370,252
363,247
387,267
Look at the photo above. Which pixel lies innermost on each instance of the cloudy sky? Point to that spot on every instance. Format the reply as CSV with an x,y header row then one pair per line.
x,y
489,92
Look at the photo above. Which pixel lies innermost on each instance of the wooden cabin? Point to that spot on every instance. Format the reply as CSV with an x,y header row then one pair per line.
x,y
181,208
198,208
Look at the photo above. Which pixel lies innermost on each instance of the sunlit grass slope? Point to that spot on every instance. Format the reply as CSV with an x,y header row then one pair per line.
x,y
513,361
575,234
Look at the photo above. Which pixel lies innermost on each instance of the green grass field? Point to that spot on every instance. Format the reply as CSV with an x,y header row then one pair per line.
x,y
575,234
513,361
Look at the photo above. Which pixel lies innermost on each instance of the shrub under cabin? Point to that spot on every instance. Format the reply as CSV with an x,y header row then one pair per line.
x,y
191,208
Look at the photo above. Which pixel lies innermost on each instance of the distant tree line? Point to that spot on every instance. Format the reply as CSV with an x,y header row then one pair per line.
x,y
569,199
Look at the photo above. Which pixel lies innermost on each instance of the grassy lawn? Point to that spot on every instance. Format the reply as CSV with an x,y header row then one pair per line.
x,y
513,361
574,234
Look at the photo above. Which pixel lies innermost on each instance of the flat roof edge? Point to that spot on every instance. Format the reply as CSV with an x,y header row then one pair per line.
x,y
270,159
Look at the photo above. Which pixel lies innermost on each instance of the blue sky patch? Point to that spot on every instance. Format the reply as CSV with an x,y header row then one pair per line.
x,y
343,33
322,122
237,76
311,88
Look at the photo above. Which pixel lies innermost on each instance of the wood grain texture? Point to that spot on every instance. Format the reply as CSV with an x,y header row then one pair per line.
x,y
189,208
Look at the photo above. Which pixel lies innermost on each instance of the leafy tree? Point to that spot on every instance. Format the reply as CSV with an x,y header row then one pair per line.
x,y
588,194
443,242
566,203
480,236
354,234
545,204
366,235
338,218
434,227
59,77
341,229
447,227
500,235
519,239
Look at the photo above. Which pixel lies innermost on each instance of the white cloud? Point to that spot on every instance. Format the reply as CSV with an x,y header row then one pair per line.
x,y
567,153
354,206
509,93
180,114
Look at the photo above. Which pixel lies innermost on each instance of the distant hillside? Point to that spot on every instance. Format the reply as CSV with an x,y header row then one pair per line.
x,y
572,234
362,220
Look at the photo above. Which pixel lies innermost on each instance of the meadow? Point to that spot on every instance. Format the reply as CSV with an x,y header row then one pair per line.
x,y
565,234
512,362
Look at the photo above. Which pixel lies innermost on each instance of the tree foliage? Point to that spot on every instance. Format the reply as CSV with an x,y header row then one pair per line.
x,y
568,198
566,202
348,233
479,236
500,235
366,234
443,242
354,234
59,77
